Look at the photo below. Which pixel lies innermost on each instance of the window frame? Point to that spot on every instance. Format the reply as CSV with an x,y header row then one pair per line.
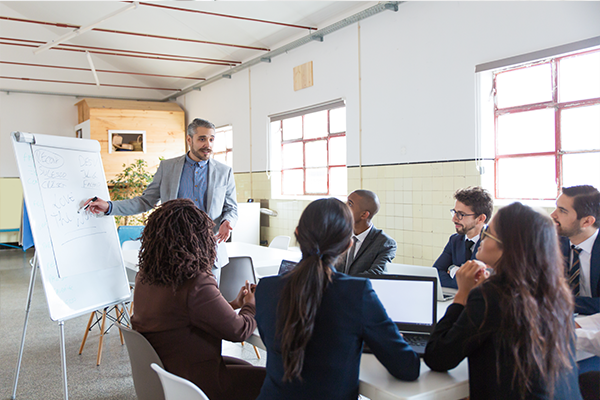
x,y
228,150
555,104
304,142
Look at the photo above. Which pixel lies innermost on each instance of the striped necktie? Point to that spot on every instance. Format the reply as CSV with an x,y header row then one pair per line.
x,y
574,271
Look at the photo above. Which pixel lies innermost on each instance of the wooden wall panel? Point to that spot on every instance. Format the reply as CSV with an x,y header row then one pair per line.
x,y
165,135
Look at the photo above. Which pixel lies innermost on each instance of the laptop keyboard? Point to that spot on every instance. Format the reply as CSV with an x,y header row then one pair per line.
x,y
416,340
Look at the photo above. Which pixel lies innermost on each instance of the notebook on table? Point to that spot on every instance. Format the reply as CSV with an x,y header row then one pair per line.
x,y
410,301
443,293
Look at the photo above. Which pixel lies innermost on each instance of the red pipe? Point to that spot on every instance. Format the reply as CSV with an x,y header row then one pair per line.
x,y
85,83
102,70
61,25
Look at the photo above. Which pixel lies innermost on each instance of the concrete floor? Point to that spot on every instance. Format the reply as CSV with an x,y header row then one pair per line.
x,y
40,376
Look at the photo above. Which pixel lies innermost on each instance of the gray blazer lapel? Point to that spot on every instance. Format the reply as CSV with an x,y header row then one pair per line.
x,y
366,243
212,173
175,173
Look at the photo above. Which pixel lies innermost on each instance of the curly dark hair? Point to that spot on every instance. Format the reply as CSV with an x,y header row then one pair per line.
x,y
177,244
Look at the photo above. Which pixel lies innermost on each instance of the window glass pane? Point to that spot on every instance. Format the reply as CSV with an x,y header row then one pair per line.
x,y
229,138
316,153
229,156
524,86
292,128
316,180
315,125
292,156
337,120
337,151
292,182
220,157
579,77
581,169
219,143
526,132
527,178
338,181
580,128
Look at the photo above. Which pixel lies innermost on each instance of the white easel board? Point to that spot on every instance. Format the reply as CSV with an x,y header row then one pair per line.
x,y
79,255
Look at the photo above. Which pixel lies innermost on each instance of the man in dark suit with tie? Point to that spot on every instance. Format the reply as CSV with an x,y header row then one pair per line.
x,y
372,249
577,218
472,210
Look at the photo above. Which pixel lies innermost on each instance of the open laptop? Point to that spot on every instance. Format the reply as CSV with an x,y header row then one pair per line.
x,y
410,301
286,266
443,293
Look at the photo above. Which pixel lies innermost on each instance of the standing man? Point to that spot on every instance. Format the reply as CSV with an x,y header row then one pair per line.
x,y
472,210
372,249
208,183
577,218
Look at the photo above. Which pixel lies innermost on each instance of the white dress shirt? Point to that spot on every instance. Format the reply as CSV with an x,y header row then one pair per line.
x,y
585,259
360,238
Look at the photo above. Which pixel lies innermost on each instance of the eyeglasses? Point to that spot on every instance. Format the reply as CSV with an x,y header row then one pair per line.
x,y
459,214
486,233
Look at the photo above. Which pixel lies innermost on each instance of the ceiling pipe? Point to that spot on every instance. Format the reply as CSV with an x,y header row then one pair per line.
x,y
83,83
101,70
77,96
147,35
318,35
226,16
84,29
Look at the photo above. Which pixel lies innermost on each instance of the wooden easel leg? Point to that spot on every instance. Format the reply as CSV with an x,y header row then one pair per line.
x,y
119,316
256,351
87,330
99,358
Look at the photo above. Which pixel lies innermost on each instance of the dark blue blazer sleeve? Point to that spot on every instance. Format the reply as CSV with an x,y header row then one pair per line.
x,y
382,336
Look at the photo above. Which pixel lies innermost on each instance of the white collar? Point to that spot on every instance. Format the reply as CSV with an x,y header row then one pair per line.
x,y
587,244
362,236
474,239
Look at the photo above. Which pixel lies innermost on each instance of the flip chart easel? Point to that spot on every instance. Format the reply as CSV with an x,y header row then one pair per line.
x,y
77,253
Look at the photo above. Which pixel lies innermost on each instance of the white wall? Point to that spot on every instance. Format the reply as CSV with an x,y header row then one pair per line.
x,y
418,77
51,115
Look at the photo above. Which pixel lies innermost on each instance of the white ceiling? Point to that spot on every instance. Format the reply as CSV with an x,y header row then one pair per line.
x,y
147,19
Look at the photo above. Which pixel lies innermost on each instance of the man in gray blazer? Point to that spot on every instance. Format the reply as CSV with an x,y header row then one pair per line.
x,y
194,175
372,249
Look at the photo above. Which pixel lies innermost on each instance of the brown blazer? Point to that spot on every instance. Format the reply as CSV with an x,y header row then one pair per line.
x,y
186,327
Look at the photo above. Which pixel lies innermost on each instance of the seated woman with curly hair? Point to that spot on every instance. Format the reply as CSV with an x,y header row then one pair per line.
x,y
179,309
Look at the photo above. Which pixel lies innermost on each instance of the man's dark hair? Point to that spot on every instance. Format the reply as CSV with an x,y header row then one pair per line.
x,y
479,199
198,123
586,201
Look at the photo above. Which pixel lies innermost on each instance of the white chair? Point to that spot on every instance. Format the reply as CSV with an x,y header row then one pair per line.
x,y
177,388
131,245
280,242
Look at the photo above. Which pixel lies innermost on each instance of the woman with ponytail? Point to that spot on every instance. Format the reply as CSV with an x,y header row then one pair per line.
x,y
516,326
314,320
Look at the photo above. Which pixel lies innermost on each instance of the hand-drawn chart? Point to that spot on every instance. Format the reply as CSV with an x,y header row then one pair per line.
x,y
67,178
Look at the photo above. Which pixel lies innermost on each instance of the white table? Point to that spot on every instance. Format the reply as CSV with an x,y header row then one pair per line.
x,y
266,260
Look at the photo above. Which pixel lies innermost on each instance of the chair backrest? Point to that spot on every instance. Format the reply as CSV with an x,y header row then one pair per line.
x,y
141,355
177,388
234,275
129,232
131,245
280,242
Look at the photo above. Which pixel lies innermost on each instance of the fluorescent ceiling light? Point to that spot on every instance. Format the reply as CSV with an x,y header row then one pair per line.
x,y
83,29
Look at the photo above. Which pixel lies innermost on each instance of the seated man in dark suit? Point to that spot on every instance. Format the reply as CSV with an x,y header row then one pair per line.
x,y
577,218
372,249
472,210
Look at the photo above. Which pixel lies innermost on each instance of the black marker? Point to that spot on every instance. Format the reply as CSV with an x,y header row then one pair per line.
x,y
85,207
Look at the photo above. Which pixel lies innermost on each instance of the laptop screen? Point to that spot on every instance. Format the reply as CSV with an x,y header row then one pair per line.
x,y
286,266
410,301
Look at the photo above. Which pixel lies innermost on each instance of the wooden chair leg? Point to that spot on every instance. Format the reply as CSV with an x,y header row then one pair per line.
x,y
256,351
99,358
87,330
119,315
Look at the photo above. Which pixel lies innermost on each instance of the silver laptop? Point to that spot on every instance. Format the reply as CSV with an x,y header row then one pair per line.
x,y
443,294
410,301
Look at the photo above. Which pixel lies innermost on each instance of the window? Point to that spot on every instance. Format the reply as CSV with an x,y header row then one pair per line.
x,y
223,146
547,126
309,152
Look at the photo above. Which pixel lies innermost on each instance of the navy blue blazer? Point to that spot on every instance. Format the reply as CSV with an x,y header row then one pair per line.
x,y
454,254
350,312
586,305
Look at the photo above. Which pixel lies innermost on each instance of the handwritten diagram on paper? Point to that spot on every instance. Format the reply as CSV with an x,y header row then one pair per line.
x,y
82,242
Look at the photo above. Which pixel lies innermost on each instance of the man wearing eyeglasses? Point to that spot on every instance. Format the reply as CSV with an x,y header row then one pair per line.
x,y
577,218
472,210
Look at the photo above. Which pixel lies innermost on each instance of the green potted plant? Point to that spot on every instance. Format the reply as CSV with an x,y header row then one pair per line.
x,y
128,184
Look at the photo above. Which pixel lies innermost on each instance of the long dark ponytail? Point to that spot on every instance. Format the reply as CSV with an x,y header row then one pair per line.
x,y
324,232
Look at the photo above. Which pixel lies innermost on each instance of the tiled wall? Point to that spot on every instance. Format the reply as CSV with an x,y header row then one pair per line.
x,y
415,204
